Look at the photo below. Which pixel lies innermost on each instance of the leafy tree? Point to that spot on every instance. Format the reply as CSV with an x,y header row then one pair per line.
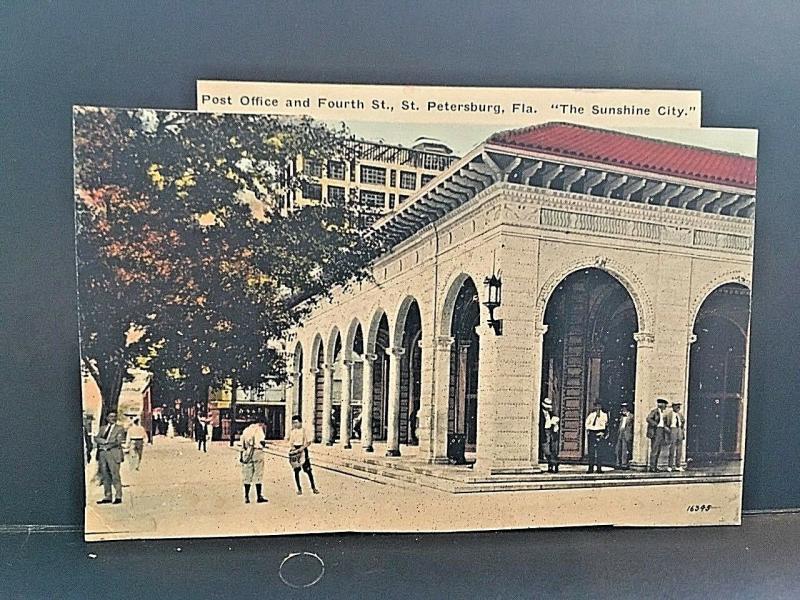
x,y
186,265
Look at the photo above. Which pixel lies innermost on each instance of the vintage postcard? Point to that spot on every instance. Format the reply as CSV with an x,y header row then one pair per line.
x,y
297,324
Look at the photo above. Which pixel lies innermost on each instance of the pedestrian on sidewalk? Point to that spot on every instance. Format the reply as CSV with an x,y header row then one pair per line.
x,y
136,435
109,457
252,457
298,454
200,433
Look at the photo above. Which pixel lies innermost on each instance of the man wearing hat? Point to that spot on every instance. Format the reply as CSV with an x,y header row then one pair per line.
x,y
549,439
596,426
657,433
677,432
624,437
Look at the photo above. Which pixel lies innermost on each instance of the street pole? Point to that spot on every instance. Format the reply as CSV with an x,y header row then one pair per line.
x,y
233,415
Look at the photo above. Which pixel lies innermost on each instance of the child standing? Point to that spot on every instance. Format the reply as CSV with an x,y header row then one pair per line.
x,y
298,454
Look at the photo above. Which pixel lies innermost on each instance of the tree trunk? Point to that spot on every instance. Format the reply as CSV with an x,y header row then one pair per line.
x,y
109,377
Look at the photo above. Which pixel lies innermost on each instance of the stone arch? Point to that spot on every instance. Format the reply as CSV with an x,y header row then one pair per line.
x,y
372,332
738,276
645,312
297,355
315,346
449,300
349,340
400,318
330,351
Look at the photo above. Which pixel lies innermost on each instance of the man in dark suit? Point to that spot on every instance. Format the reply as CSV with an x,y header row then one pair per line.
x,y
657,433
109,457
624,437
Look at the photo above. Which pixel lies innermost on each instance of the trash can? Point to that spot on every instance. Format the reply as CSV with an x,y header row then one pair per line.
x,y
456,444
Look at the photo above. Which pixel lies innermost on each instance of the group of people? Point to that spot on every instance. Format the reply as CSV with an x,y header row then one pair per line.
x,y
666,430
251,456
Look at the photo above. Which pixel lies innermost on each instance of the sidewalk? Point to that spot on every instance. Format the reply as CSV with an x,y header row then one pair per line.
x,y
180,492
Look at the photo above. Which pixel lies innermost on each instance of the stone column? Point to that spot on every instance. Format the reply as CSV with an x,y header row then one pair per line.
x,y
327,404
425,408
440,401
347,396
538,357
366,403
490,371
644,400
310,402
690,340
395,367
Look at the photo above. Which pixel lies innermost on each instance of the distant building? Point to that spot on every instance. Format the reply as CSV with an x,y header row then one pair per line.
x,y
374,176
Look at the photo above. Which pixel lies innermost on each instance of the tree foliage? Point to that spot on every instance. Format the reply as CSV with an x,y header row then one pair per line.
x,y
185,264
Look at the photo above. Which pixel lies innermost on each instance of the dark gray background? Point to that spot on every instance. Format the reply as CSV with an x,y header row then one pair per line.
x,y
742,55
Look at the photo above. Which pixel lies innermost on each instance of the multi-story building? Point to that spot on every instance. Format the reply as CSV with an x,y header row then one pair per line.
x,y
625,264
372,176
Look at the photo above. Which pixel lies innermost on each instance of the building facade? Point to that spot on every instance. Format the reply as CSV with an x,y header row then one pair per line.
x,y
375,177
625,265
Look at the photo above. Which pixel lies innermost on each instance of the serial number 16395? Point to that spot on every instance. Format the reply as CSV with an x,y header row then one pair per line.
x,y
699,508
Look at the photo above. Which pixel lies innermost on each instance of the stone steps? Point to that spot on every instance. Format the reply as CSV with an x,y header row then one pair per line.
x,y
461,480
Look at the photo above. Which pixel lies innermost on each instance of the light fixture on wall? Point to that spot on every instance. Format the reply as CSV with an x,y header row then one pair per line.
x,y
493,299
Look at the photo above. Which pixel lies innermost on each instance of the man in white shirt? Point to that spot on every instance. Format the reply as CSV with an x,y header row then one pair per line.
x,y
657,433
136,436
677,428
596,426
252,457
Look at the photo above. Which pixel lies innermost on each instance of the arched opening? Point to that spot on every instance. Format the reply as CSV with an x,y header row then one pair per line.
x,y
297,405
357,383
319,387
335,357
462,416
588,354
380,382
717,376
410,374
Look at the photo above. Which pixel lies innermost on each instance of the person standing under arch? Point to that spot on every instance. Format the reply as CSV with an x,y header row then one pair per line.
x,y
596,427
549,440
624,437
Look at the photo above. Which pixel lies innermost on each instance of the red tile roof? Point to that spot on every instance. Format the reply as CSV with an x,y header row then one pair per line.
x,y
625,150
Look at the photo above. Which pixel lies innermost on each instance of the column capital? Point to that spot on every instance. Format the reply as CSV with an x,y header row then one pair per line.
x,y
692,338
444,342
348,363
395,351
329,367
369,357
315,371
644,339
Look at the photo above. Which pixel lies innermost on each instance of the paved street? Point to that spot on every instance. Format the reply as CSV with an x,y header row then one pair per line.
x,y
180,492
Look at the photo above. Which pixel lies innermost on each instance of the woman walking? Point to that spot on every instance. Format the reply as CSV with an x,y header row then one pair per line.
x,y
298,454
